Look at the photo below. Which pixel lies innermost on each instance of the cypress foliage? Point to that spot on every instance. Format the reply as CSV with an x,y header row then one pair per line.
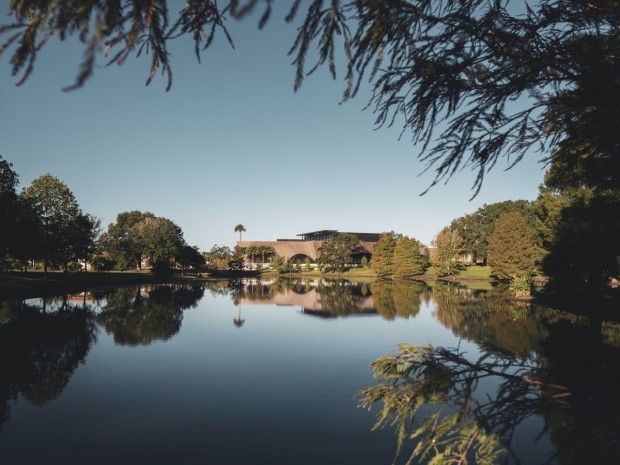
x,y
383,255
512,251
448,248
407,260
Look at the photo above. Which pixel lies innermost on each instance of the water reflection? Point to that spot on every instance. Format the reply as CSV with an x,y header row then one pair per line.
x,y
523,360
40,349
490,318
332,298
143,315
433,396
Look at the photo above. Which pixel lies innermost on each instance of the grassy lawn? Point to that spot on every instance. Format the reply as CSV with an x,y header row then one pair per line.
x,y
33,283
473,272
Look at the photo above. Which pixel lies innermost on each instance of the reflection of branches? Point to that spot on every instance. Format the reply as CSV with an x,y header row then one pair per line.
x,y
39,351
490,318
136,319
397,298
454,422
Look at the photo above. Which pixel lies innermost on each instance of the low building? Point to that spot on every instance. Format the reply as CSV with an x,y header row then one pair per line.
x,y
309,244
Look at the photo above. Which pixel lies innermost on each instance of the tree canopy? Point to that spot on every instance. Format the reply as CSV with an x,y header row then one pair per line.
x,y
499,78
382,262
512,251
408,261
336,252
447,252
65,232
476,228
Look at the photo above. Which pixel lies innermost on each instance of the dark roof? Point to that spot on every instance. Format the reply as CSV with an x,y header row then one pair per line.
x,y
316,233
325,234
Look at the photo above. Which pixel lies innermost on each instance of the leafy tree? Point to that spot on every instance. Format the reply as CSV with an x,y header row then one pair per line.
x,y
476,228
546,215
512,252
383,254
102,263
8,206
188,256
577,224
236,259
121,243
336,252
408,261
86,229
460,63
280,264
308,263
447,253
240,229
159,239
585,251
218,257
65,230
364,262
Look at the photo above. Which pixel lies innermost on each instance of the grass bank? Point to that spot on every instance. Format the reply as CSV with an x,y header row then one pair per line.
x,y
34,284
469,273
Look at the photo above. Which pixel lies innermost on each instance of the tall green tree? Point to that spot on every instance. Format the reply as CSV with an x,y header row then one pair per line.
x,y
577,223
9,209
121,243
408,261
336,253
59,215
447,252
512,251
382,262
159,239
189,256
218,257
476,228
585,251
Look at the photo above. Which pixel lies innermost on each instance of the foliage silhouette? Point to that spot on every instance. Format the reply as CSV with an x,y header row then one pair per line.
x,y
40,351
139,316
429,394
458,65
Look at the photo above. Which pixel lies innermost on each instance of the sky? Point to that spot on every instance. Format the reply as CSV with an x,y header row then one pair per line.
x,y
231,143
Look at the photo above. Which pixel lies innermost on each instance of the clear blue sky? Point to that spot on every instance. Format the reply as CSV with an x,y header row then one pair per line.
x,y
230,143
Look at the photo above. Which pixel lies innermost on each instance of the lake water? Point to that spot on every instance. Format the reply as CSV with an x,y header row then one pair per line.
x,y
270,372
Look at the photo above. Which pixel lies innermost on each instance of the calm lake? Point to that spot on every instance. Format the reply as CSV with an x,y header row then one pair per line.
x,y
270,372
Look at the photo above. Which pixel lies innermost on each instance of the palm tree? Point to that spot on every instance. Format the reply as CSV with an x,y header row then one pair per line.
x,y
251,251
238,321
265,249
239,228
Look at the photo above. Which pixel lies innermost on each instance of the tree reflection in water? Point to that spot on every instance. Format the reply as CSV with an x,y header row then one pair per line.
x,y
40,350
430,395
531,358
143,315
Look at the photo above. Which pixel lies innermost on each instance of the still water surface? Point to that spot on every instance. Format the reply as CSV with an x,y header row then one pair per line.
x,y
258,372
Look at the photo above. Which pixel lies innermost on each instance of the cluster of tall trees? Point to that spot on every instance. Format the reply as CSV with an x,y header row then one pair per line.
x,y
43,222
141,237
568,233
398,256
